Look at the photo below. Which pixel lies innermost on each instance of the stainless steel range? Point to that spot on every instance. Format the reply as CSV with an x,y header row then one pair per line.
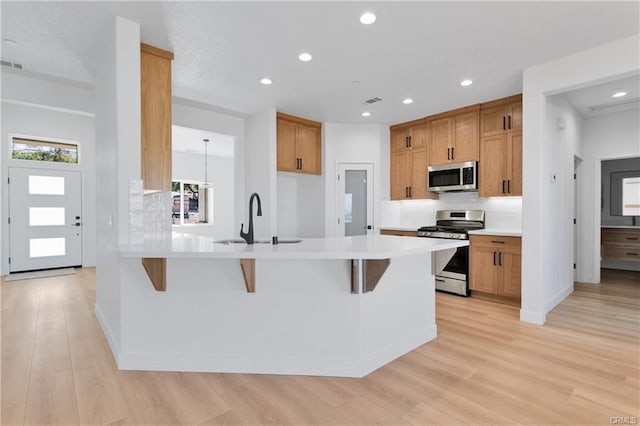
x,y
454,224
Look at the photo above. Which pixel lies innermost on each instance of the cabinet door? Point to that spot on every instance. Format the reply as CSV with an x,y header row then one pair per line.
x,y
418,135
440,143
493,121
465,137
400,173
514,168
419,175
493,164
308,149
484,272
399,140
514,116
509,284
286,146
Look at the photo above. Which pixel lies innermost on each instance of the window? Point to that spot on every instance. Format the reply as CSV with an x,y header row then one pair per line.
x,y
40,150
189,203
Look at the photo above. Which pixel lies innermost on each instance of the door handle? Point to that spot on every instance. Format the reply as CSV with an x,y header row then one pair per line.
x,y
76,224
368,227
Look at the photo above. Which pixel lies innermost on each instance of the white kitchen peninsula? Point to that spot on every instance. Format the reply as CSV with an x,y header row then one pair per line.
x,y
312,309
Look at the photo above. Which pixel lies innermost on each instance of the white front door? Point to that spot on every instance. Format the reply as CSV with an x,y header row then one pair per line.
x,y
45,228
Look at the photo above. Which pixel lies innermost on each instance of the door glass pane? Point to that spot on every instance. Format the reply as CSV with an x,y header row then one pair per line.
x,y
46,216
355,188
46,185
42,247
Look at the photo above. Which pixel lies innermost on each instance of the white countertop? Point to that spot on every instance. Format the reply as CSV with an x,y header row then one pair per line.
x,y
620,226
362,247
400,228
498,232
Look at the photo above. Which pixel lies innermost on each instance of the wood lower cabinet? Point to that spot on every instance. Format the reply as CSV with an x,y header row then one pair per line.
x,y
299,144
500,168
495,265
399,233
454,139
409,159
621,244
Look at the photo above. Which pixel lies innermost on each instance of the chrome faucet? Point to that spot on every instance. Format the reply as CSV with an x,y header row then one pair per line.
x,y
248,236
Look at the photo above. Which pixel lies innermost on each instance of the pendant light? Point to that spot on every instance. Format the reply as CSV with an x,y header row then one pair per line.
x,y
206,183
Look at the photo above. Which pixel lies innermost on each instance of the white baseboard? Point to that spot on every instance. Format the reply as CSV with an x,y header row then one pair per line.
x,y
539,318
532,317
108,333
292,366
559,297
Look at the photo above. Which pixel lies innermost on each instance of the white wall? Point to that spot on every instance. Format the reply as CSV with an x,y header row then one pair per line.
x,y
606,137
355,143
190,167
118,147
539,245
260,173
199,117
27,120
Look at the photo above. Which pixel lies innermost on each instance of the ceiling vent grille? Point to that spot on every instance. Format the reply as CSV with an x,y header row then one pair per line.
x,y
11,64
372,100
614,104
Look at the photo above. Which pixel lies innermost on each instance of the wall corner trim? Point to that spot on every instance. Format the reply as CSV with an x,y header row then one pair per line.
x,y
532,317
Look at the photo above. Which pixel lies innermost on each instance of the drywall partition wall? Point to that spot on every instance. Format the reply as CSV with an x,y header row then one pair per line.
x,y
353,143
288,205
118,148
606,137
260,173
46,123
190,167
606,62
203,117
47,91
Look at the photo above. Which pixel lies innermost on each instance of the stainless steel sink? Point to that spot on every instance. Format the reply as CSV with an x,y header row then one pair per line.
x,y
280,241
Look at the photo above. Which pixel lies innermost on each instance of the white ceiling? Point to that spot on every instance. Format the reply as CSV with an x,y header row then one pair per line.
x,y
415,49
597,100
185,139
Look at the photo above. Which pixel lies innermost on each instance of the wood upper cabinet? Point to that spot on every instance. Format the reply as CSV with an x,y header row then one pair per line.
x,y
501,116
155,126
495,265
454,139
299,144
409,159
500,169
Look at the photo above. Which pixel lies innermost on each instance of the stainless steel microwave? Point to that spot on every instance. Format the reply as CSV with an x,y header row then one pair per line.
x,y
453,177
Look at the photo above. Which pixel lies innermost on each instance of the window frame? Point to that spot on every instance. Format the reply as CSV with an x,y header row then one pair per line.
x,y
43,164
205,193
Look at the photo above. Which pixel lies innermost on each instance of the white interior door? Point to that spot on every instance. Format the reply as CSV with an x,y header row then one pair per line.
x,y
354,202
45,228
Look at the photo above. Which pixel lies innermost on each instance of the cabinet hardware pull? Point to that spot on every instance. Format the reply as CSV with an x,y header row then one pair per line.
x,y
301,164
448,153
406,192
453,156
410,194
497,242
632,238
504,123
632,254
439,280
406,141
500,258
509,121
503,187
509,186
494,258
410,141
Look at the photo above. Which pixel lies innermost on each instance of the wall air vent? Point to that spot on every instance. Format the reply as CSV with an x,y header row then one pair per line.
x,y
11,64
372,100
626,102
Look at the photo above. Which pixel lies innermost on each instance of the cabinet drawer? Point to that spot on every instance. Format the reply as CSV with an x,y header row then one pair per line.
x,y
627,237
621,252
496,241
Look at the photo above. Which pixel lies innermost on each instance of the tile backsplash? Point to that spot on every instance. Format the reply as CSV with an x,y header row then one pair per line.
x,y
500,212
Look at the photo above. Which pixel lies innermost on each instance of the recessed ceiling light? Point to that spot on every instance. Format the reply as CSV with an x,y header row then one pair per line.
x,y
366,114
368,18
407,101
266,81
9,41
618,93
466,82
305,56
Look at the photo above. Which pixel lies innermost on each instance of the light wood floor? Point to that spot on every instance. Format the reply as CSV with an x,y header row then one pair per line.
x,y
580,368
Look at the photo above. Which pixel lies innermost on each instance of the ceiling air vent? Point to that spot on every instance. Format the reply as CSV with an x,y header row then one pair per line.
x,y
10,64
6,63
614,104
372,100
17,66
